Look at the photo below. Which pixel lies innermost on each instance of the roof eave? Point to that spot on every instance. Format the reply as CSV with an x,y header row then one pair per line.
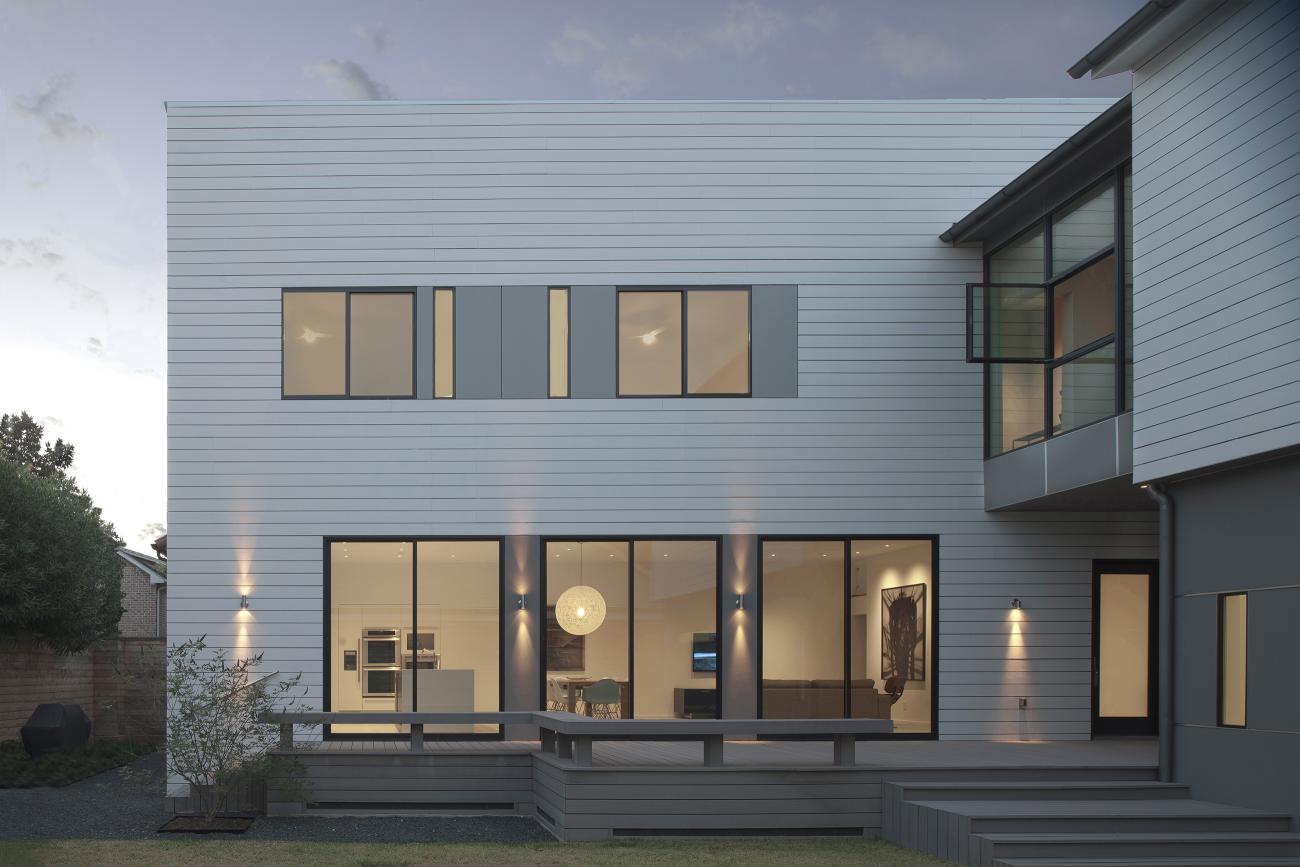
x,y
1139,38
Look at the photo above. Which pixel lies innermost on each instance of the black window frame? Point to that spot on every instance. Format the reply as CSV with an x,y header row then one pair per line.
x,y
326,644
933,650
1115,177
631,541
683,291
568,343
1220,599
347,293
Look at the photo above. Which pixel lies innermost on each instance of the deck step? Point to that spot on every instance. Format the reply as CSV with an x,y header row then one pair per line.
x,y
986,849
1266,861
1100,816
1084,790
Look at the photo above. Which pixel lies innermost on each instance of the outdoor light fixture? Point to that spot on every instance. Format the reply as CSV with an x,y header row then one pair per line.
x,y
1015,604
243,602
740,602
522,602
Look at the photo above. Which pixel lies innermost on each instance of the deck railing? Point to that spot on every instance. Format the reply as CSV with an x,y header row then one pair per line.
x,y
570,736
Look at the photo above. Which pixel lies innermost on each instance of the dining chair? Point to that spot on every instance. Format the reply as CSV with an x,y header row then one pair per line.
x,y
555,697
605,698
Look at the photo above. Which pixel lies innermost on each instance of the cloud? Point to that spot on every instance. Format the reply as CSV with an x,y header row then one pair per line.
x,y
349,78
375,36
622,75
95,347
29,253
913,55
576,45
45,108
822,18
747,27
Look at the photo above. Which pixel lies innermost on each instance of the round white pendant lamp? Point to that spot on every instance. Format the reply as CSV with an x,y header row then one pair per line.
x,y
580,610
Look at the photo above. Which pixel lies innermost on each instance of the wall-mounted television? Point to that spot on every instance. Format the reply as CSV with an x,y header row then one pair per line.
x,y
704,651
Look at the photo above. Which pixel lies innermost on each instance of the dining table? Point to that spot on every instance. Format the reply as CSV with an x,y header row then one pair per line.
x,y
577,684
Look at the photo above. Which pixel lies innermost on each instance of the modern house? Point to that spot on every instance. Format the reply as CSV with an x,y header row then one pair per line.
x,y
758,410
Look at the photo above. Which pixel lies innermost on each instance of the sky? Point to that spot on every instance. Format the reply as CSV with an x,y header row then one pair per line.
x,y
83,150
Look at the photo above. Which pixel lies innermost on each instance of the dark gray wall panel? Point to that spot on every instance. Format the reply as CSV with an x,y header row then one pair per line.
x,y
594,341
1081,456
1272,654
478,342
1240,766
522,629
774,341
740,628
1237,529
1015,477
524,336
424,342
1196,660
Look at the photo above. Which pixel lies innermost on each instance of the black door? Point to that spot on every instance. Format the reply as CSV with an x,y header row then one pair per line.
x,y
1124,647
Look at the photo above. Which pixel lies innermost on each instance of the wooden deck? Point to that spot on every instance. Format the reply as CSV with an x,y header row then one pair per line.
x,y
637,788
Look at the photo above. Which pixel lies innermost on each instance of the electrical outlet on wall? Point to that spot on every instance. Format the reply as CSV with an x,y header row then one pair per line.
x,y
1024,702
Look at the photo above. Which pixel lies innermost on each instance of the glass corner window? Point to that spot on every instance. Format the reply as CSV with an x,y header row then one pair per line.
x,y
1051,319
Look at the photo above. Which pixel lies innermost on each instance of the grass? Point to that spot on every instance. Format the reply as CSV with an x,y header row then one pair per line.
x,y
251,853
18,770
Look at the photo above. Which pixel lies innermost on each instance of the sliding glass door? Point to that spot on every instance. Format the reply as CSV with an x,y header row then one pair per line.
x,y
847,630
631,627
413,625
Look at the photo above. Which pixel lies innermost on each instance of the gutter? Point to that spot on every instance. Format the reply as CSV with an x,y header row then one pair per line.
x,y
1165,609
1040,170
1137,23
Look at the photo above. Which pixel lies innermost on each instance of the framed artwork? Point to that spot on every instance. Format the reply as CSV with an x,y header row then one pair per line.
x,y
902,632
564,651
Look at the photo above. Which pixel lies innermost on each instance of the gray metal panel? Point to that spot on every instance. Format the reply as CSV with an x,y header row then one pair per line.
x,y
524,341
1015,477
1081,456
478,342
424,342
774,341
593,335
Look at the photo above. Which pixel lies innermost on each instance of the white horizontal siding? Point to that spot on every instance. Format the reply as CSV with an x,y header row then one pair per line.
x,y
844,199
1216,210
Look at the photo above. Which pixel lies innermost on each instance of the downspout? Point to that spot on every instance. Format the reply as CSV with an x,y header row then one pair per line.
x,y
1165,613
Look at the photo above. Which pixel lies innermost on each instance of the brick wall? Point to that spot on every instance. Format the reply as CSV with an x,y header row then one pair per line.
x,y
140,615
129,693
119,684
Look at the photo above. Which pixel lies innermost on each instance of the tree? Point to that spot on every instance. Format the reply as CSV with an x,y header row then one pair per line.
x,y
22,440
217,737
60,577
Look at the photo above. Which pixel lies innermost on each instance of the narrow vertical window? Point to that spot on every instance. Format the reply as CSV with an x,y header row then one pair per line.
x,y
1232,659
444,343
558,314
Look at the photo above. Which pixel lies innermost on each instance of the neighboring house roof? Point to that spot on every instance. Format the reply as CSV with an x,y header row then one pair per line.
x,y
155,568
159,545
1147,31
1108,131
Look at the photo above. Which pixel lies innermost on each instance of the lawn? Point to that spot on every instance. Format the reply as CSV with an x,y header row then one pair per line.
x,y
18,770
228,852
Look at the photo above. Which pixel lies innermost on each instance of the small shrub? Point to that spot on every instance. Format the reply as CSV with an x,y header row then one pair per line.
x,y
18,770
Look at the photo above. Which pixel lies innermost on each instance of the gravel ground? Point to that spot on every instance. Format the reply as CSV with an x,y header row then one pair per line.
x,y
127,805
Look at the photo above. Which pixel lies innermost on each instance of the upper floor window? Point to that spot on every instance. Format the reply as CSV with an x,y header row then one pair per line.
x,y
348,343
683,342
444,342
1051,321
557,376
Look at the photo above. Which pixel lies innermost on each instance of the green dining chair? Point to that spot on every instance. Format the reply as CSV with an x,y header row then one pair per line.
x,y
605,698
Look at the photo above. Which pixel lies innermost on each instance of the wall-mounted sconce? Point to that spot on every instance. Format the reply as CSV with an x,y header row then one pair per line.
x,y
522,602
1015,604
740,601
243,602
